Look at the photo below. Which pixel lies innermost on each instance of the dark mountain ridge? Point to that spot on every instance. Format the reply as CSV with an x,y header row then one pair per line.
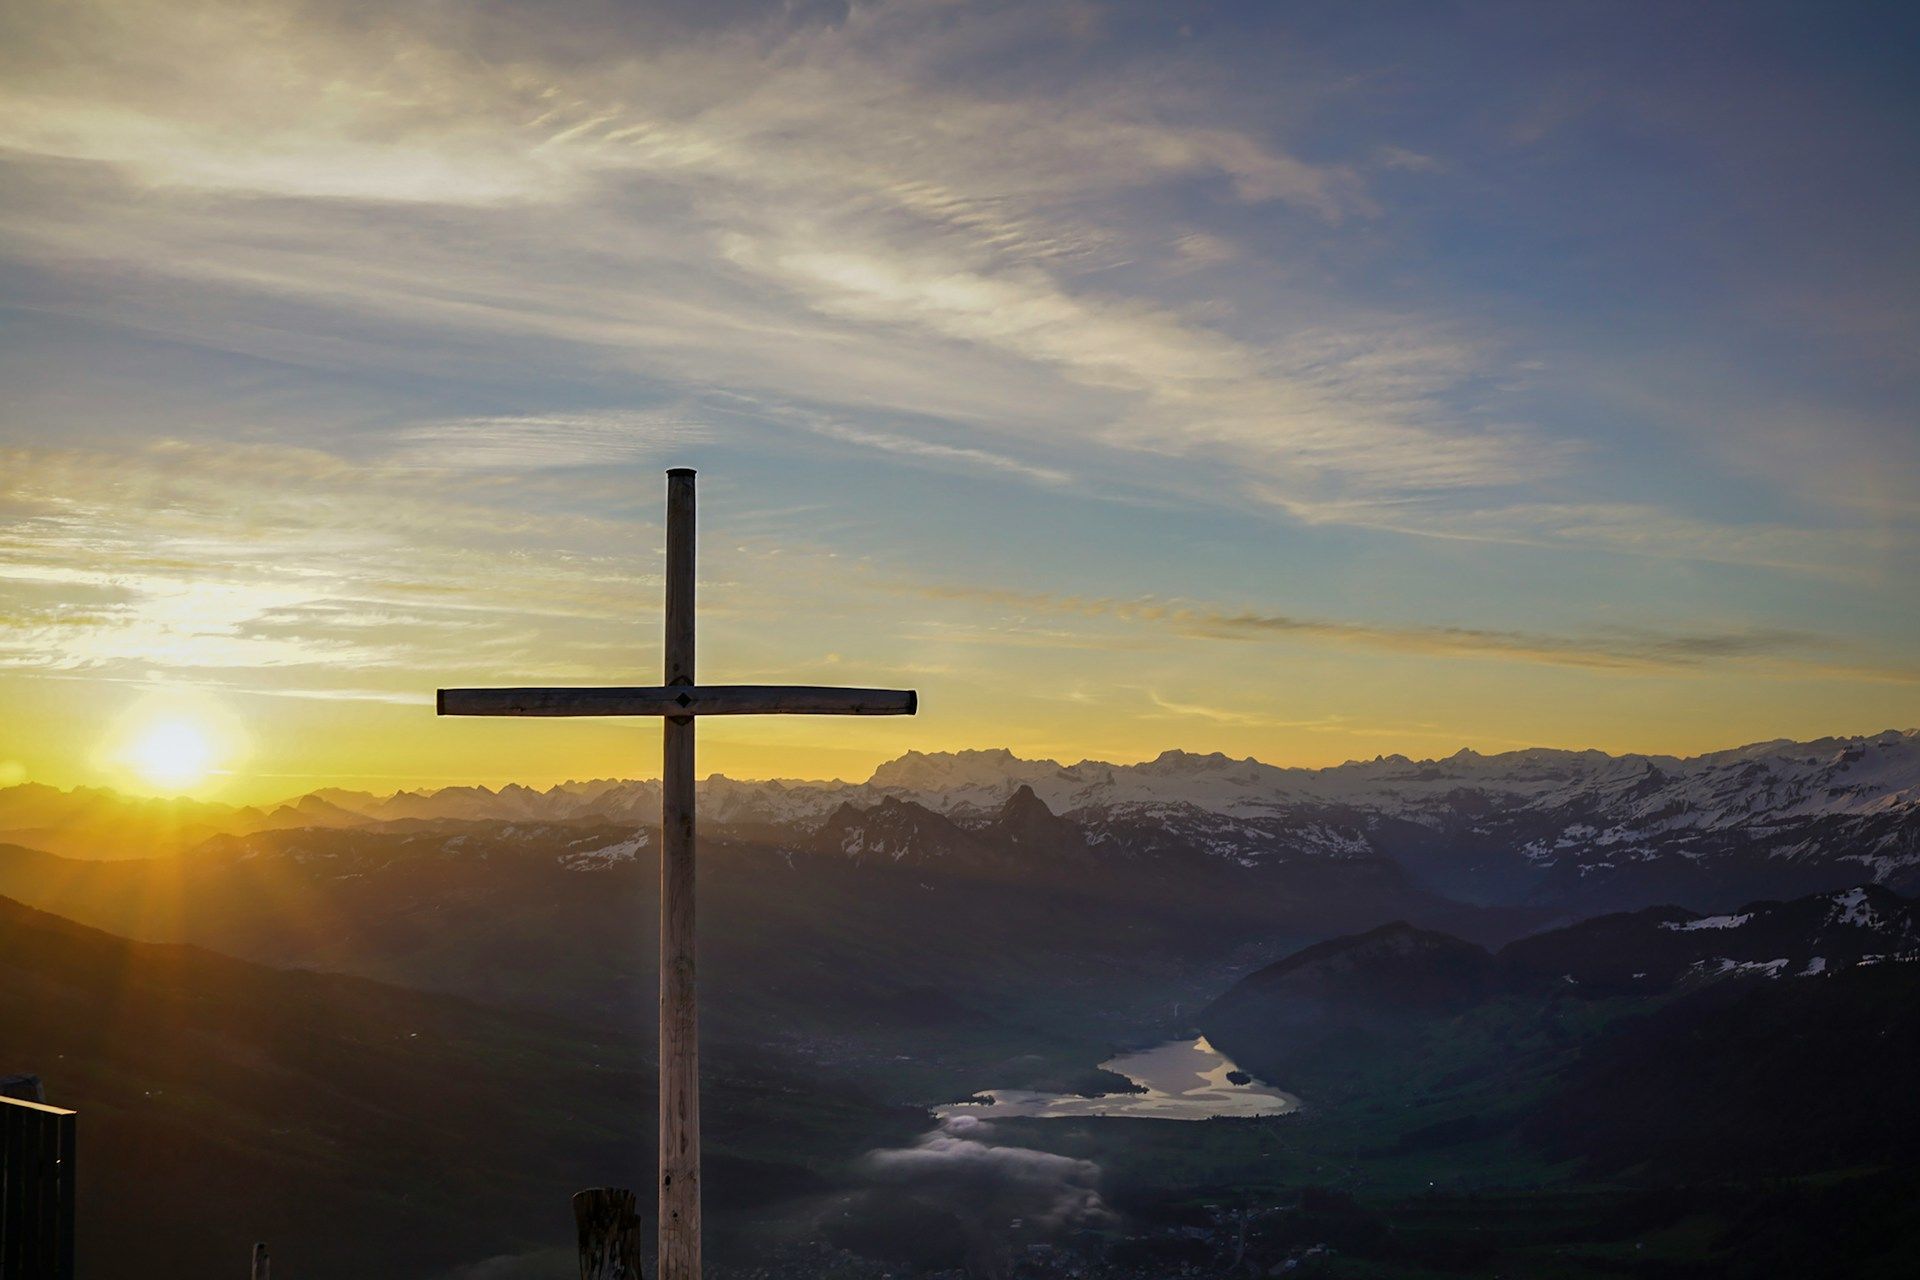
x,y
1390,972
223,1102
1387,979
1657,948
809,941
1660,1046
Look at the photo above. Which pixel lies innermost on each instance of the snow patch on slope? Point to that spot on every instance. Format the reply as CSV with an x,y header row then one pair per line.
x,y
1706,922
606,856
1852,908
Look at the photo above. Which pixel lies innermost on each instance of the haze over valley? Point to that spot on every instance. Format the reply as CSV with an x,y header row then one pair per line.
x,y
970,952
987,640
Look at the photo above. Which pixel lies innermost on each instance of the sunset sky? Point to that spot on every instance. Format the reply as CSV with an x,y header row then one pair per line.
x,y
1305,381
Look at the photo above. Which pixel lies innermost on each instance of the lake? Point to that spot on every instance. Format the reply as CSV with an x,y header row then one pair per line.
x,y
1183,1079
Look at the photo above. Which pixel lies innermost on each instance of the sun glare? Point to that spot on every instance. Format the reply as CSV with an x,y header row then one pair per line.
x,y
172,753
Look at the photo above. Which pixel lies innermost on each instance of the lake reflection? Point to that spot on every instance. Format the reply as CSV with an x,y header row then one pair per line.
x,y
1184,1080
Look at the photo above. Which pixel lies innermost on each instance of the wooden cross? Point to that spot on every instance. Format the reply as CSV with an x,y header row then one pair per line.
x,y
679,700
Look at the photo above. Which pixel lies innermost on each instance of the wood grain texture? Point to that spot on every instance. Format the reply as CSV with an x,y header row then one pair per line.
x,y
680,700
36,1190
609,1223
681,542
679,1172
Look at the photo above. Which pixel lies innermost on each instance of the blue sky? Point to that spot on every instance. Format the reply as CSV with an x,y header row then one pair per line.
x,y
1307,381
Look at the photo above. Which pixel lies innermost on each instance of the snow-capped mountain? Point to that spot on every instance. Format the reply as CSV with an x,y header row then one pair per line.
x,y
1578,828
1582,828
896,830
1767,782
1660,947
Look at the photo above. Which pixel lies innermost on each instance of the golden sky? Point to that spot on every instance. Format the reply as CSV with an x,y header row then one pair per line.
x,y
1123,379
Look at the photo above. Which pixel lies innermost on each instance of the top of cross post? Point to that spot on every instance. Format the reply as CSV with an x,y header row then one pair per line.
x,y
680,471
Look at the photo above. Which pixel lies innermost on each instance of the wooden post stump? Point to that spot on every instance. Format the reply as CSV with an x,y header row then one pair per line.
x,y
609,1233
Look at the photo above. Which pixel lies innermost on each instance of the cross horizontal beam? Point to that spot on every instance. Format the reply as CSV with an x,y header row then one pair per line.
x,y
680,700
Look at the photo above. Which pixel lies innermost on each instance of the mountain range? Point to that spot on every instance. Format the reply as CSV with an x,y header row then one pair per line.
x,y
1579,830
1596,975
1775,1040
858,930
1398,970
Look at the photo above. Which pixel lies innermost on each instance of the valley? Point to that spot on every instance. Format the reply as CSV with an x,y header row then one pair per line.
x,y
1421,1064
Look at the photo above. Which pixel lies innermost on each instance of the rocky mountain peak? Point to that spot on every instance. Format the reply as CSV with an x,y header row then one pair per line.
x,y
1026,822
893,829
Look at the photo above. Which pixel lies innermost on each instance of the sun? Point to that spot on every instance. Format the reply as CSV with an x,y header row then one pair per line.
x,y
172,753
173,742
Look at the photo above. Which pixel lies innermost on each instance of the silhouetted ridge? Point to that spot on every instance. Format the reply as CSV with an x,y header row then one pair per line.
x,y
1396,965
1388,980
893,830
1026,823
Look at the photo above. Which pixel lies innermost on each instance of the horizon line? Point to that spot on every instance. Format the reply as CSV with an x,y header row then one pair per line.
x,y
185,798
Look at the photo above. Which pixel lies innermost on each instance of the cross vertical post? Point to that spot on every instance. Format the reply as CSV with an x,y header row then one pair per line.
x,y
679,702
679,1171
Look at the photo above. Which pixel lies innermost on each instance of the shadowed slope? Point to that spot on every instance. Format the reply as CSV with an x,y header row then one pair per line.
x,y
363,1129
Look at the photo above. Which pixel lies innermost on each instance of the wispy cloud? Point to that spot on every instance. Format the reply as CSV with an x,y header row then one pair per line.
x,y
1344,726
959,454
194,558
950,269
855,229
420,290
1638,529
549,440
1227,715
1621,649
